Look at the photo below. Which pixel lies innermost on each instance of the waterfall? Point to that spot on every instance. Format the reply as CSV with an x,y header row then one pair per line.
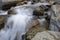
x,y
16,24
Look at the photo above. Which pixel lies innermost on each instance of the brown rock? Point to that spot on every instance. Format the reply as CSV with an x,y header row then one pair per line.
x,y
38,12
11,11
21,3
34,30
2,19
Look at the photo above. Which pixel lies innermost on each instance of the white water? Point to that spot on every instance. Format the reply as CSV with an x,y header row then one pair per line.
x,y
16,25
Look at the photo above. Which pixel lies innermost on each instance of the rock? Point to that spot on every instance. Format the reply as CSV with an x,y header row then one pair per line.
x,y
34,30
11,11
2,19
8,5
47,35
21,3
33,23
38,12
54,22
35,1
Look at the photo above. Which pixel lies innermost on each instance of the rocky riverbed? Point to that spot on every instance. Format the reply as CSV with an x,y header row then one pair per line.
x,y
39,28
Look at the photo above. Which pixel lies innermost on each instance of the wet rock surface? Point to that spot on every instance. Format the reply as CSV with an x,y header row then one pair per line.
x,y
34,30
2,19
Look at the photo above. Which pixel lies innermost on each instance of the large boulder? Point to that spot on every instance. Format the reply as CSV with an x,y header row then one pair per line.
x,y
38,26
55,18
47,35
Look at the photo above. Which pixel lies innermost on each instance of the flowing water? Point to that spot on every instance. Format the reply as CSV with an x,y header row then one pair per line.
x,y
16,25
